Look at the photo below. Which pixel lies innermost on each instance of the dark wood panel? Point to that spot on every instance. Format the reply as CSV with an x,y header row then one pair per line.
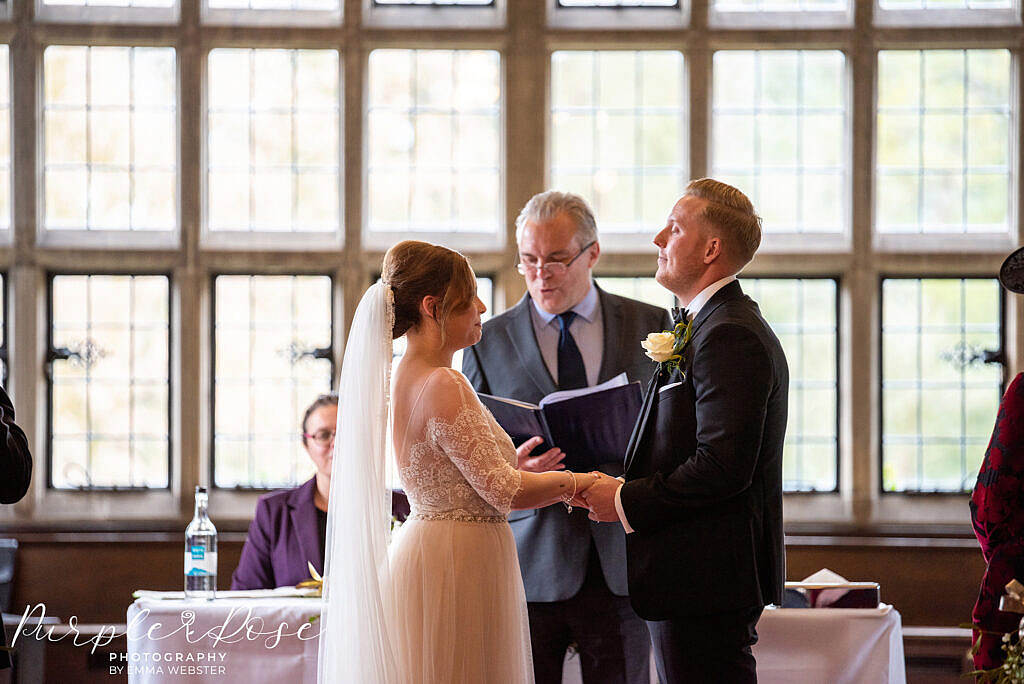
x,y
931,582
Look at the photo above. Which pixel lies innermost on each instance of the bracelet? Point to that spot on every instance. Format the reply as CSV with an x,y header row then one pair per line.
x,y
567,499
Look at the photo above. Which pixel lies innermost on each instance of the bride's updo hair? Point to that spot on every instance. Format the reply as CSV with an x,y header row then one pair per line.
x,y
415,270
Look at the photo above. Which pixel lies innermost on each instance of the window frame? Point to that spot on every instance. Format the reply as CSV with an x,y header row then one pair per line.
x,y
618,18
880,377
837,280
212,395
411,15
955,242
297,241
51,356
947,18
466,241
814,243
638,242
84,238
101,14
781,19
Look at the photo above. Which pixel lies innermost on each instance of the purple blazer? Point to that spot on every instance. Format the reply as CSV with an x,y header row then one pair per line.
x,y
284,535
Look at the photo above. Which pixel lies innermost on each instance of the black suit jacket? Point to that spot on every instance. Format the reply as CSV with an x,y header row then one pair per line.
x,y
553,547
15,470
703,485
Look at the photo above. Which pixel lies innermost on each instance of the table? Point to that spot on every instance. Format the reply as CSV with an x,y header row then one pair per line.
x,y
225,640
178,641
835,645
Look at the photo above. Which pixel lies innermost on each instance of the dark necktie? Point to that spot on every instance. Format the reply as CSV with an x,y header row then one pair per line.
x,y
571,372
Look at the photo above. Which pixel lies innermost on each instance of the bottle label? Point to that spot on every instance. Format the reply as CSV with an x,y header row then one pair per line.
x,y
200,561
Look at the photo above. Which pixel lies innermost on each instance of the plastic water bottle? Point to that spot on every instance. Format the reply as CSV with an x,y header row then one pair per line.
x,y
201,551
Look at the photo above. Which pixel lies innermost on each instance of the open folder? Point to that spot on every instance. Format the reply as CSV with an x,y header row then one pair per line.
x,y
591,425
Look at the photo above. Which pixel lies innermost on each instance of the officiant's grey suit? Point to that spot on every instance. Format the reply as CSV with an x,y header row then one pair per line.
x,y
555,547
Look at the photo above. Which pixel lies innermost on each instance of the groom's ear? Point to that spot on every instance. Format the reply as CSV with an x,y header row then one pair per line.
x,y
712,250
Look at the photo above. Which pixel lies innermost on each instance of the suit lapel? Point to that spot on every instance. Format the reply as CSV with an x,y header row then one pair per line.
x,y
727,293
302,513
657,380
524,341
613,343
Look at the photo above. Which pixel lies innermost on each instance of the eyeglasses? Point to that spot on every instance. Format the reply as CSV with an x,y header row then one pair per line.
x,y
320,437
553,268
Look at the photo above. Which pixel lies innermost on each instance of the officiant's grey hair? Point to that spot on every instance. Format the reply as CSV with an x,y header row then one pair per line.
x,y
545,206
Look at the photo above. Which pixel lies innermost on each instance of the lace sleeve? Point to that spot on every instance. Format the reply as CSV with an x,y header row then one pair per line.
x,y
462,431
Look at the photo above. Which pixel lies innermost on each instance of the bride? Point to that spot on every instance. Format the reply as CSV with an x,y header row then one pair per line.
x,y
445,602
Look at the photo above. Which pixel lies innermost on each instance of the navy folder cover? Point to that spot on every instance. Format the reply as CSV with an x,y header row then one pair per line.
x,y
592,429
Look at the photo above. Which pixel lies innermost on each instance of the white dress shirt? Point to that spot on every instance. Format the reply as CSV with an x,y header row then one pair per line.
x,y
693,308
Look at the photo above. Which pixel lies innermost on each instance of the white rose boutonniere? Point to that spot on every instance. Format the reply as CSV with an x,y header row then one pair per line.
x,y
659,345
666,348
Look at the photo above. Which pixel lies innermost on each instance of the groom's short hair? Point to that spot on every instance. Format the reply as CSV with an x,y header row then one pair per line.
x,y
732,212
545,206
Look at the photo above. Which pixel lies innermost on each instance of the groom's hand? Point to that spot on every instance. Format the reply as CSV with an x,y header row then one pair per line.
x,y
600,498
549,460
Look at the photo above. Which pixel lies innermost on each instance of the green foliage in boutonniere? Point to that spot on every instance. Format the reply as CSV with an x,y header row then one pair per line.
x,y
666,348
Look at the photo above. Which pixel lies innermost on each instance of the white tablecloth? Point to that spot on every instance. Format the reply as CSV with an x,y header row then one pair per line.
x,y
236,640
226,640
835,645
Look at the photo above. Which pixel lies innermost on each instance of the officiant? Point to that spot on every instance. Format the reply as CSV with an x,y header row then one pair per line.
x,y
567,333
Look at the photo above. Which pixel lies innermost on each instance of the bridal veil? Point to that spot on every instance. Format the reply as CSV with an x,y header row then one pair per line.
x,y
355,643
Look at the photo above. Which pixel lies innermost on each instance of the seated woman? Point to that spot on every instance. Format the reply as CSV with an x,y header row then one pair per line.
x,y
290,525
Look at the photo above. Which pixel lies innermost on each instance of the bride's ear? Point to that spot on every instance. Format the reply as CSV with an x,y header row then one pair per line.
x,y
428,307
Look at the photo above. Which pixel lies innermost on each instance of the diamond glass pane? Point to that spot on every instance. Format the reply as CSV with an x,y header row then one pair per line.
x,y
5,138
780,5
618,134
273,148
779,135
109,399
939,400
802,312
267,331
943,149
639,288
434,137
109,134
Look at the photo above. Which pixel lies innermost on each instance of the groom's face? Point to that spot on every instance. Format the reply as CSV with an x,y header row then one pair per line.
x,y
681,248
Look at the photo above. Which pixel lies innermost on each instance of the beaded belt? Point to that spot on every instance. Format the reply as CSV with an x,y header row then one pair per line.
x,y
458,515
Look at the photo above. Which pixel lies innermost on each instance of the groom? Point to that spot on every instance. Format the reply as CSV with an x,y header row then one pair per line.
x,y
702,498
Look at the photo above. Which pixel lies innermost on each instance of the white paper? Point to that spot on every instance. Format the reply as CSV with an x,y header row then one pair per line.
x,y
562,395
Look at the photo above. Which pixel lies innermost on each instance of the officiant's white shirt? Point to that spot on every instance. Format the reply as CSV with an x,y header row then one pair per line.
x,y
693,308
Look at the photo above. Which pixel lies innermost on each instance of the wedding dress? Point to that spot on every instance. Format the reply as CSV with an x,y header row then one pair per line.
x,y
458,608
444,602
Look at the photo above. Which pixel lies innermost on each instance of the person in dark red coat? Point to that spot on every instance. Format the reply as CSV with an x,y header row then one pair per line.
x,y
997,504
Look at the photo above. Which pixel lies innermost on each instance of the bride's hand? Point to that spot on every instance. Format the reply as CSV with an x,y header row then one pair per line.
x,y
584,481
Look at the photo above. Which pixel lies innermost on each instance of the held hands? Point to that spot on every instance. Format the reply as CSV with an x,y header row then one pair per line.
x,y
599,497
584,481
549,460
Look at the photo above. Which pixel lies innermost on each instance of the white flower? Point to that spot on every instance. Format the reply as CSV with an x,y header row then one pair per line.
x,y
658,346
